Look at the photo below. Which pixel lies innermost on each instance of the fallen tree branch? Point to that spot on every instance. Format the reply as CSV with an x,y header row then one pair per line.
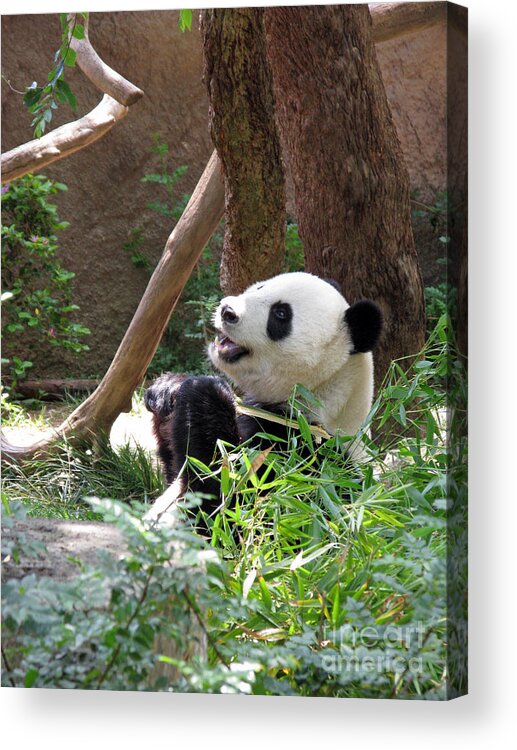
x,y
113,395
63,141
74,136
54,389
391,20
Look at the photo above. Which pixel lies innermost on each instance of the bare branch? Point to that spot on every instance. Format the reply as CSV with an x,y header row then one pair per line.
x,y
182,250
63,141
101,75
74,136
391,20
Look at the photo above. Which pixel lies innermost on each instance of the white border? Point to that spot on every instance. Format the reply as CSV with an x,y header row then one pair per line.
x,y
59,719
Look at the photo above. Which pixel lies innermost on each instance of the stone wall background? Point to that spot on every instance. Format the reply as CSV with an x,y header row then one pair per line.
x,y
105,197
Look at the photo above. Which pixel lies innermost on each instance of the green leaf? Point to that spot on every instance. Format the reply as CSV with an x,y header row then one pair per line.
x,y
300,560
64,93
32,96
225,479
266,596
185,20
248,582
305,430
78,31
70,58
159,206
40,128
30,677
110,638
336,609
160,179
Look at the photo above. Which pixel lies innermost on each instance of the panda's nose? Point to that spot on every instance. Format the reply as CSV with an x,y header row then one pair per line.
x,y
228,314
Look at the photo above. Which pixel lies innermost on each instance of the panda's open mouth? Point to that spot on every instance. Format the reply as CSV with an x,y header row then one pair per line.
x,y
228,349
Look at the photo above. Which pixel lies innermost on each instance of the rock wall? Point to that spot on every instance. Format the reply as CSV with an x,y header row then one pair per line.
x,y
106,198
413,69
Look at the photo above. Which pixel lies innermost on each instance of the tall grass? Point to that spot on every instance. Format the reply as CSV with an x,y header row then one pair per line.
x,y
329,579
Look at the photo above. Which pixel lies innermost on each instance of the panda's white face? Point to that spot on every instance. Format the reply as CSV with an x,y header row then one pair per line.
x,y
287,330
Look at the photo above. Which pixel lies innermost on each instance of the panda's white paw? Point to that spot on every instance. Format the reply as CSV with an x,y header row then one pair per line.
x,y
164,511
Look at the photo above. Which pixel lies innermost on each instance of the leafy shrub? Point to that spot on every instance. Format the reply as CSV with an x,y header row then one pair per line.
x,y
41,101
306,592
294,258
37,301
440,299
98,628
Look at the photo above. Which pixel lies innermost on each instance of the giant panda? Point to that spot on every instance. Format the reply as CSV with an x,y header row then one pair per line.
x,y
295,328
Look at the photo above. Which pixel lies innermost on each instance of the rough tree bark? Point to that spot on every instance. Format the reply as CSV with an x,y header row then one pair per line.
x,y
244,133
350,182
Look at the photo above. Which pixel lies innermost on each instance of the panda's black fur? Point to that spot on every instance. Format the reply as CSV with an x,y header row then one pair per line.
x,y
201,410
190,413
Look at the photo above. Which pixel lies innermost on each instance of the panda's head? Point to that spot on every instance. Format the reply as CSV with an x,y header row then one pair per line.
x,y
293,328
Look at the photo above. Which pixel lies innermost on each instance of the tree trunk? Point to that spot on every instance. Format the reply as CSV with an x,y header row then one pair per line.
x,y
350,182
244,134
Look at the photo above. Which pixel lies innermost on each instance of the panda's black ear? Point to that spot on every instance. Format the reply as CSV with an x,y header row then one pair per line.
x,y
364,321
160,397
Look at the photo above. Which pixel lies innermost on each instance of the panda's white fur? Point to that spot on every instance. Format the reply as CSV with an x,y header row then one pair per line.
x,y
292,329
317,353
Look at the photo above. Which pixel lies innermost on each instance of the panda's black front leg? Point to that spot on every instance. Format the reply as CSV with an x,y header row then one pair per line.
x,y
204,412
160,400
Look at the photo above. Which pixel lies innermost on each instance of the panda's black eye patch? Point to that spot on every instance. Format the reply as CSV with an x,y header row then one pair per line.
x,y
279,323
